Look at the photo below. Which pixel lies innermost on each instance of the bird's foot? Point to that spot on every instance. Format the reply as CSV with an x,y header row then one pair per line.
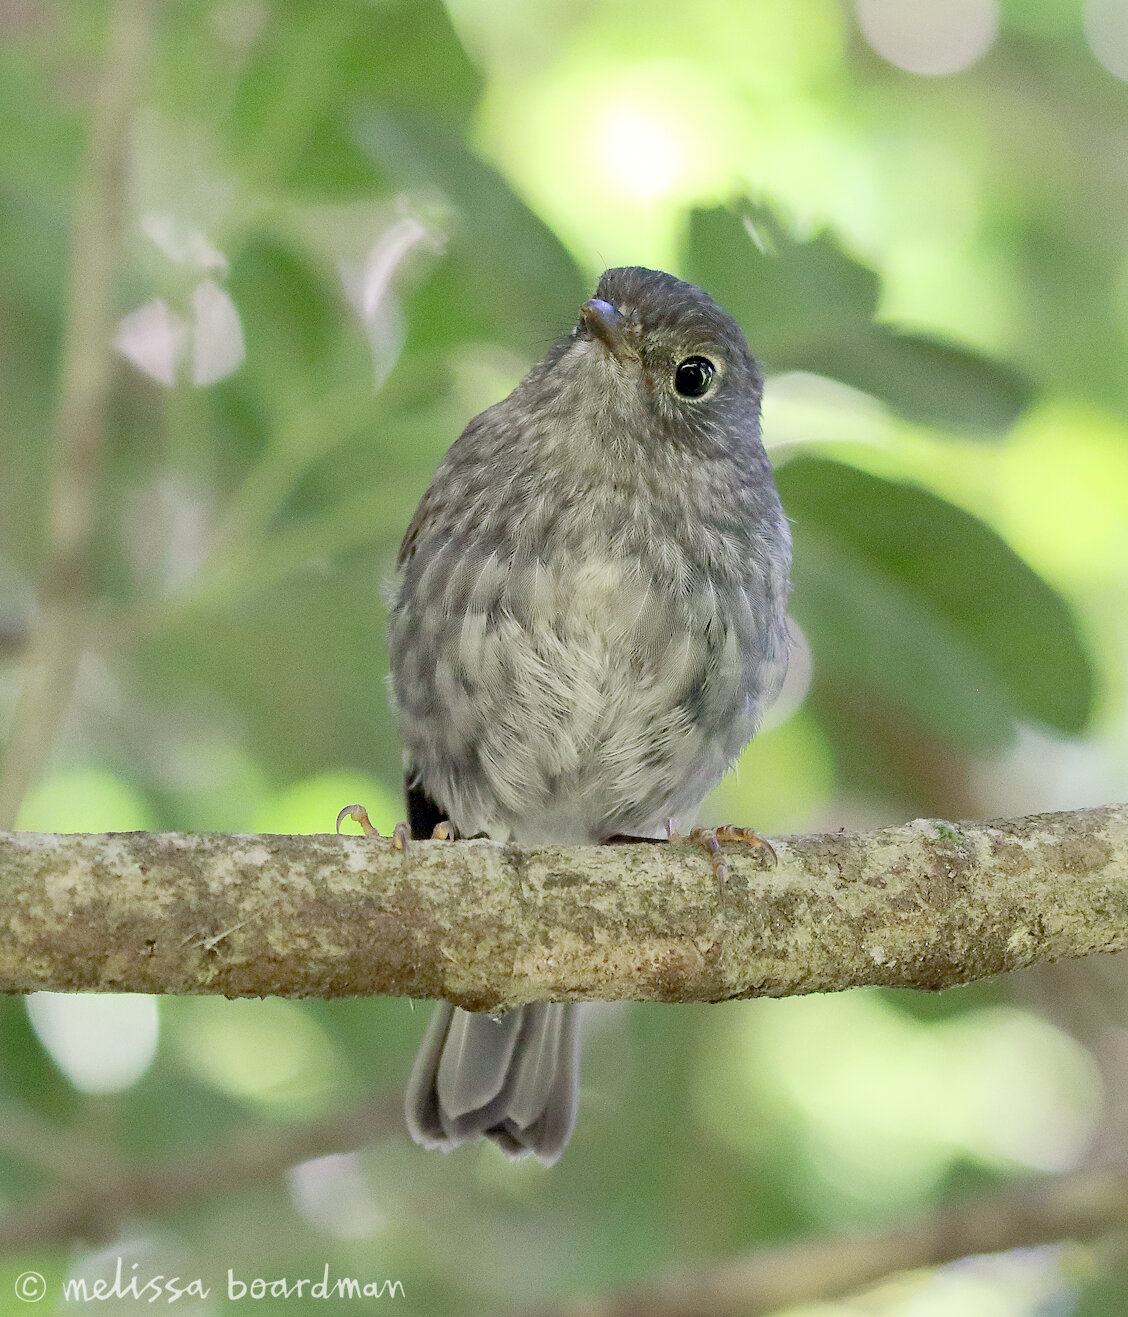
x,y
401,834
711,838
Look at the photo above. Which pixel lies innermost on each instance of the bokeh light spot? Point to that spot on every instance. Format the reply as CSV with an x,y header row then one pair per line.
x,y
270,1053
642,155
929,36
1106,30
884,1104
1063,483
333,1195
654,133
102,1042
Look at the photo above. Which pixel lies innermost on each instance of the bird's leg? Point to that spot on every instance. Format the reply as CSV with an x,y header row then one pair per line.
x,y
711,839
401,834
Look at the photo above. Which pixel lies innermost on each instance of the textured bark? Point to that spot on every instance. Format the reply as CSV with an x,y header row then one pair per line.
x,y
489,926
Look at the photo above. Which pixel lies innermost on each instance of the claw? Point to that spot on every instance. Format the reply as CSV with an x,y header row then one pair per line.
x,y
358,814
707,837
443,831
401,835
711,838
747,837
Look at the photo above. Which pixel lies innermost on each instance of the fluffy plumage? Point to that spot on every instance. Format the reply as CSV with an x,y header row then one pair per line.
x,y
588,623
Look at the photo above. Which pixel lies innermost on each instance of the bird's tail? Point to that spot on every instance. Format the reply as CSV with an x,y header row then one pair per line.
x,y
514,1078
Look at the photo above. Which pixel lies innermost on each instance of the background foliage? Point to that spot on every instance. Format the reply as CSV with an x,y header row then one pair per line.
x,y
396,206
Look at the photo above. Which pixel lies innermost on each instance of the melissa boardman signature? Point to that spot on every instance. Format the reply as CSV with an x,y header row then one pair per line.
x,y
130,1283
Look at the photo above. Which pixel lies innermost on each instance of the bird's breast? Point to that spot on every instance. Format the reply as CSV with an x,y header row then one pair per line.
x,y
587,658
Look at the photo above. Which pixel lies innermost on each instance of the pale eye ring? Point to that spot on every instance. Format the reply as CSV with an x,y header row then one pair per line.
x,y
694,376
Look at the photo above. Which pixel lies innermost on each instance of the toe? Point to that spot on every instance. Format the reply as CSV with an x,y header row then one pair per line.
x,y
358,814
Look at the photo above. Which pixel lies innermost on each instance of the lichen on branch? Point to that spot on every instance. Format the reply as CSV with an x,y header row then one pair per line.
x,y
490,926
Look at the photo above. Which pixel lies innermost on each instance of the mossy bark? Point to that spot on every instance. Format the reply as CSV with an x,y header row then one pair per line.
x,y
487,926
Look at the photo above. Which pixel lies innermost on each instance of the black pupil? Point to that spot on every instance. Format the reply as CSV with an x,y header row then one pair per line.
x,y
694,376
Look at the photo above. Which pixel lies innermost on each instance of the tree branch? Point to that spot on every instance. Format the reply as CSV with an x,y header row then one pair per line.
x,y
1080,1207
57,632
94,1210
488,926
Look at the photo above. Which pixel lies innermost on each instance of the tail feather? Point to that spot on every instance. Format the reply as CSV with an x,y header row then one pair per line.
x,y
548,1135
514,1079
476,1060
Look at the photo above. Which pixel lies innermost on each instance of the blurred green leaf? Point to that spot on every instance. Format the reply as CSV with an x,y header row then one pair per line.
x,y
1104,1295
39,155
313,804
300,340
808,305
784,777
506,277
84,800
903,595
925,380
300,667
310,66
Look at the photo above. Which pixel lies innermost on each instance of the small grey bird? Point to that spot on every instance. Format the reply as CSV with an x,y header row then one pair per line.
x,y
588,622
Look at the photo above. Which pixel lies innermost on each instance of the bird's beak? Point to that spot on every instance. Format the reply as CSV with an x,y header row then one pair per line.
x,y
607,324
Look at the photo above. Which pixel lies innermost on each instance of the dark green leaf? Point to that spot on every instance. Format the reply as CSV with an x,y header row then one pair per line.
x,y
505,277
908,597
923,379
808,305
312,64
784,292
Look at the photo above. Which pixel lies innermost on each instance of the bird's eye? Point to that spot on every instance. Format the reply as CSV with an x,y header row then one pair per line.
x,y
693,376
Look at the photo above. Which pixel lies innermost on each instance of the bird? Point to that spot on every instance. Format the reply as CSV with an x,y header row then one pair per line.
x,y
587,620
